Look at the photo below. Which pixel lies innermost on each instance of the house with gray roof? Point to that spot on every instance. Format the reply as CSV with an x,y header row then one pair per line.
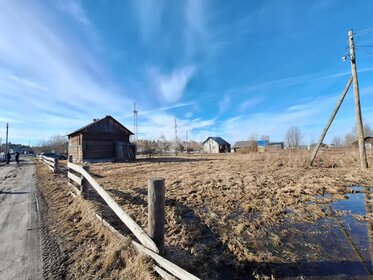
x,y
215,145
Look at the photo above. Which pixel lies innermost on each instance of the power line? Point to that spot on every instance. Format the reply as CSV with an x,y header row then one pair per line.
x,y
367,30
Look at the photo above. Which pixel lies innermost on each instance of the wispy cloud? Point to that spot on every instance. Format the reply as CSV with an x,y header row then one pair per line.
x,y
250,103
149,15
171,86
74,8
42,67
224,104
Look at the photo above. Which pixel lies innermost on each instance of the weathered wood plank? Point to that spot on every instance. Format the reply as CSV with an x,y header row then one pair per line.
x,y
75,178
110,227
140,234
166,264
164,274
156,212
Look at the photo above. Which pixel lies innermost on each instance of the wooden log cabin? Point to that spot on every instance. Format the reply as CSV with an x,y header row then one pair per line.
x,y
102,140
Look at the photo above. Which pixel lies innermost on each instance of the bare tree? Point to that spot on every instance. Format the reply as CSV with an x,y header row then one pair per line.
x,y
56,143
348,139
254,136
293,137
337,141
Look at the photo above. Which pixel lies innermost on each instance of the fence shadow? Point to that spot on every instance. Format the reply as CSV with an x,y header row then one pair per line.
x,y
215,260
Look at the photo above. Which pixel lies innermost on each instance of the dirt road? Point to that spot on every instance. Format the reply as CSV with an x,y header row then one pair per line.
x,y
20,250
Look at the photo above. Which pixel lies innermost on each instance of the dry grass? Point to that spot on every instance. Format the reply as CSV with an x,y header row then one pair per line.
x,y
219,209
91,250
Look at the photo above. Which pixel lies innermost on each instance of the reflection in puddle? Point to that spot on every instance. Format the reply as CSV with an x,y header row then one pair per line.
x,y
339,246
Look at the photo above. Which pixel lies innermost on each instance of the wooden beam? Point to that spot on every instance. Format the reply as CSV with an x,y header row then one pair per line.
x,y
156,212
164,274
339,103
75,178
140,234
84,187
166,264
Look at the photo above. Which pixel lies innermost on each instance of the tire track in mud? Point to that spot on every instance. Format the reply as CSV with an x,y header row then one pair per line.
x,y
54,257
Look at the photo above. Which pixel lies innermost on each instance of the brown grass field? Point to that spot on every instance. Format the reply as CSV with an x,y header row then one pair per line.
x,y
221,210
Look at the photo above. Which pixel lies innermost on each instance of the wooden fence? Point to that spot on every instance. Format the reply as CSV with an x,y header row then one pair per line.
x,y
151,242
52,163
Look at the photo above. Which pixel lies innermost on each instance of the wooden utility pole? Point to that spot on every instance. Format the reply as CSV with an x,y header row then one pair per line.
x,y
186,142
6,139
316,149
360,131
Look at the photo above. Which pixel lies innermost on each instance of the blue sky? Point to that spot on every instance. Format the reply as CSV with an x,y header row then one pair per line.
x,y
221,68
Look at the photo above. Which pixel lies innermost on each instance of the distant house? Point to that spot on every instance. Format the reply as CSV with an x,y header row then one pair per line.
x,y
259,145
214,145
368,142
262,145
322,145
241,146
276,146
102,140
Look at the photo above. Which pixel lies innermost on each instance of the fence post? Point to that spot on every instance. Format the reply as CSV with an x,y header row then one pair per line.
x,y
156,212
55,165
84,188
68,170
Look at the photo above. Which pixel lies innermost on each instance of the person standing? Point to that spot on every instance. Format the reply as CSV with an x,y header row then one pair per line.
x,y
17,157
8,157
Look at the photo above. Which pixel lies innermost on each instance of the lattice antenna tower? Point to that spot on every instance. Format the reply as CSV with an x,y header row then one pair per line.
x,y
135,122
176,140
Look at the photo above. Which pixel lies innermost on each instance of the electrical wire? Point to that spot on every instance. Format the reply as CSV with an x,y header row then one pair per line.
x,y
367,30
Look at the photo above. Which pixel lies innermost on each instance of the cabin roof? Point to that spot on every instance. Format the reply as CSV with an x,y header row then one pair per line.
x,y
218,140
100,120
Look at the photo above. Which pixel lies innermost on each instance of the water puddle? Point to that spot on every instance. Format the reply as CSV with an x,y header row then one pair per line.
x,y
339,246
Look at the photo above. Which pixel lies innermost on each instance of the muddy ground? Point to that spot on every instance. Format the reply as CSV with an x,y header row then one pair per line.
x,y
225,214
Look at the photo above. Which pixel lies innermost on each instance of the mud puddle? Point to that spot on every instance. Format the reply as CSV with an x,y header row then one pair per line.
x,y
339,246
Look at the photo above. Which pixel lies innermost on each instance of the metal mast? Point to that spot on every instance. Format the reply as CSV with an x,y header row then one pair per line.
x,y
6,141
176,140
135,122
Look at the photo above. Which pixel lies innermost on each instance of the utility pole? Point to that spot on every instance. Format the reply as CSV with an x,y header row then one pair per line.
x,y
186,142
135,122
6,139
176,140
360,131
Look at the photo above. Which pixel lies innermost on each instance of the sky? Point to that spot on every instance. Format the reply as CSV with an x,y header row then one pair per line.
x,y
220,68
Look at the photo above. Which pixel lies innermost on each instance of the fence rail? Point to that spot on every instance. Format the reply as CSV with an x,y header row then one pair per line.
x,y
140,234
52,163
148,246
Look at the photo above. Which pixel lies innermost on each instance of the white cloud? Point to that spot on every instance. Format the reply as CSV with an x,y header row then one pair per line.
x,y
74,8
48,72
149,15
172,86
249,103
224,104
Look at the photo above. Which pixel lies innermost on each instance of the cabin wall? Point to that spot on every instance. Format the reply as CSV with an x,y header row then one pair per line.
x,y
99,149
75,147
